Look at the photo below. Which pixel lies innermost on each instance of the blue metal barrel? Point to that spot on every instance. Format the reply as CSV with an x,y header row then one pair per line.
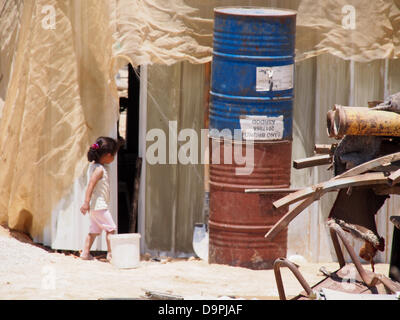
x,y
252,73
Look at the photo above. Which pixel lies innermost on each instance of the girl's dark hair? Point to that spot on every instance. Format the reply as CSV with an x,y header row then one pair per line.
x,y
102,146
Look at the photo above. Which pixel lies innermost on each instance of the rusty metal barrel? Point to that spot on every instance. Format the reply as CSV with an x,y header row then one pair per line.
x,y
252,71
251,101
242,165
239,220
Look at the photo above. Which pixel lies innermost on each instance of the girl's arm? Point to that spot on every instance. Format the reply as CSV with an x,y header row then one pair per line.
x,y
96,176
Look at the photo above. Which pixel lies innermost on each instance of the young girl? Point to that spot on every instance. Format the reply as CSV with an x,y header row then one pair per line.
x,y
97,197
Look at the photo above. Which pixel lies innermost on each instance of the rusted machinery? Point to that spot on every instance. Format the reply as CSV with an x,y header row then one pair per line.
x,y
366,165
340,283
359,121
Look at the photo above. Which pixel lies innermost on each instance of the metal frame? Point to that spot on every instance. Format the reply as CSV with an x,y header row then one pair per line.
x,y
292,267
336,232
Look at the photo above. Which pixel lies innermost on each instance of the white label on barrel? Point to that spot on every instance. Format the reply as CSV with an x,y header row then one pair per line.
x,y
261,127
274,78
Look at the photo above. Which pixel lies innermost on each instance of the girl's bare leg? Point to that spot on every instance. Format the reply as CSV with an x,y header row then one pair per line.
x,y
109,244
88,244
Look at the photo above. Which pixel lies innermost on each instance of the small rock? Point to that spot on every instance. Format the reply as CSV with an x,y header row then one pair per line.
x,y
165,260
147,256
298,259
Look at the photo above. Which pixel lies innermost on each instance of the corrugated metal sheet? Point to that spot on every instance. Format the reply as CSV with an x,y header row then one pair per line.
x,y
174,192
174,196
329,80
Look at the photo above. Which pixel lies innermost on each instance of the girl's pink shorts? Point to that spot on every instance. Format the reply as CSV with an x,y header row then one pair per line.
x,y
101,220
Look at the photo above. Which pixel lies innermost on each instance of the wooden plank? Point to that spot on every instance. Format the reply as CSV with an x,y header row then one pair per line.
x,y
285,220
312,161
372,178
367,166
325,148
394,178
271,190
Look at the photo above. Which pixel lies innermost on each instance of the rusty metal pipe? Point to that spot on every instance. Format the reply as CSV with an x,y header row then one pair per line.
x,y
369,281
292,267
330,118
360,121
338,250
339,231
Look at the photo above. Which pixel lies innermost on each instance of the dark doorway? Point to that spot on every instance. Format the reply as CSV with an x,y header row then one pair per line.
x,y
394,271
128,154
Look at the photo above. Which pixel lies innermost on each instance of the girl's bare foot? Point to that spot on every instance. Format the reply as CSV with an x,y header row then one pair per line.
x,y
86,256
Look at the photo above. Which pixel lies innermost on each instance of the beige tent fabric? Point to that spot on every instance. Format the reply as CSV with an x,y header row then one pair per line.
x,y
167,31
8,34
161,32
350,29
58,100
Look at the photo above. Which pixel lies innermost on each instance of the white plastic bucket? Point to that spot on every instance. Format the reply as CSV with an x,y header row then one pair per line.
x,y
125,250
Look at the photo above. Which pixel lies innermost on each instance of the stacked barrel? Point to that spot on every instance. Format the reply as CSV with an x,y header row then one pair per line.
x,y
251,102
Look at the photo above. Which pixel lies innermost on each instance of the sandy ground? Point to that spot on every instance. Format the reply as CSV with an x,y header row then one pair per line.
x,y
28,271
